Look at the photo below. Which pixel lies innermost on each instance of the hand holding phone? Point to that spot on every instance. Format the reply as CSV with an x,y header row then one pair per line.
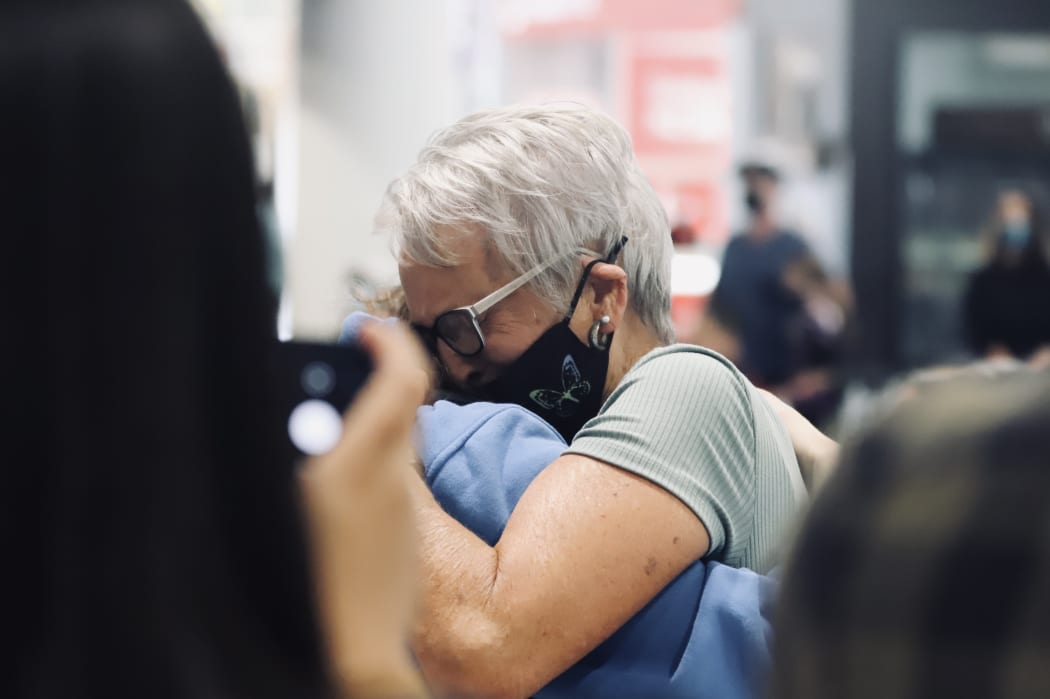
x,y
361,522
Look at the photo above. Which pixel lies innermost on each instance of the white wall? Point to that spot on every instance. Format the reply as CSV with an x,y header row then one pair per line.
x,y
815,202
375,81
823,26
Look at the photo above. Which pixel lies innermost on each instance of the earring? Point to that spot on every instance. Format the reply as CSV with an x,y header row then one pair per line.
x,y
600,342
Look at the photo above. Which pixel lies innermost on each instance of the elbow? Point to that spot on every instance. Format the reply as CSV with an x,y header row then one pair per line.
x,y
471,658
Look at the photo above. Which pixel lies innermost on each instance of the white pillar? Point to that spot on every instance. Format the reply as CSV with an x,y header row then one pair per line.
x,y
375,81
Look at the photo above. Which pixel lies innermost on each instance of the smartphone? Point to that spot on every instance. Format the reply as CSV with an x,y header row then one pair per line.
x,y
316,383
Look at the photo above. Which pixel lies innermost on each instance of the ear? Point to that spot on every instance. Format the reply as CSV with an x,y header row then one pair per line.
x,y
606,295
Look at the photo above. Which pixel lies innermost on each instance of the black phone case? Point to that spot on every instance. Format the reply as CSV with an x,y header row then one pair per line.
x,y
306,371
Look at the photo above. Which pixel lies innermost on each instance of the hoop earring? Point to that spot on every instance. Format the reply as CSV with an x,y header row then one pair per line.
x,y
600,342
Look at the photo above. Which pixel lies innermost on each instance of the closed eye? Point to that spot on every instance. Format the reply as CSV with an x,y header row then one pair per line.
x,y
496,324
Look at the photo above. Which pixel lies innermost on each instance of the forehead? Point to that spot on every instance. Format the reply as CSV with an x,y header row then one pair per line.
x,y
430,291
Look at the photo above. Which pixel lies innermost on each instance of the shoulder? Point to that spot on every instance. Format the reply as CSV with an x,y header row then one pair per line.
x,y
792,243
734,247
985,277
481,431
479,459
978,279
685,378
683,418
682,361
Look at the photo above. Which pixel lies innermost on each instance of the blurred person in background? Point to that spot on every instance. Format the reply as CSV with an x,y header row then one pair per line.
x,y
818,335
1007,301
156,543
923,567
775,310
535,260
753,299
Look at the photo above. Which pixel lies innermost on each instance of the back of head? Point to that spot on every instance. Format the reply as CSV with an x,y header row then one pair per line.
x,y
156,545
540,182
923,567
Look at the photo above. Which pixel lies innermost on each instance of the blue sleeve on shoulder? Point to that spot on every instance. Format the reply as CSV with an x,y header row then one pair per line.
x,y
480,458
352,326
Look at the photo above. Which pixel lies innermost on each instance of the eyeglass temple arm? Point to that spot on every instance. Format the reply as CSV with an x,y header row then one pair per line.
x,y
505,291
609,259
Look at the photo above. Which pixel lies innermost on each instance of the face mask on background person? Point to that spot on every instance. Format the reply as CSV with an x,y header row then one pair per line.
x,y
754,202
1016,234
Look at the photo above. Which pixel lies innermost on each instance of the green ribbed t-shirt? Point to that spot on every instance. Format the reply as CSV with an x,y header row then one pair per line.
x,y
686,419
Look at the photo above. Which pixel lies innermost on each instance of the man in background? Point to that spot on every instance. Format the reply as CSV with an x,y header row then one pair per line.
x,y
754,300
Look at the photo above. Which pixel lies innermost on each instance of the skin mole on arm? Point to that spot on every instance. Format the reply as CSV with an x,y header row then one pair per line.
x,y
650,567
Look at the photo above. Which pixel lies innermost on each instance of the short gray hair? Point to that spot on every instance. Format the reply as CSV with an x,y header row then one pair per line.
x,y
541,182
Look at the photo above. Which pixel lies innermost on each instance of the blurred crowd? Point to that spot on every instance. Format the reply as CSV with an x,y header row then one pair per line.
x,y
540,491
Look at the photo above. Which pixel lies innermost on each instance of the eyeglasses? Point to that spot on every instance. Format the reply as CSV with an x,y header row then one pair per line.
x,y
460,328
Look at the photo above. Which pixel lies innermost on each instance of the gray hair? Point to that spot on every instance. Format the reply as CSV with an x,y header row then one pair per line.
x,y
540,182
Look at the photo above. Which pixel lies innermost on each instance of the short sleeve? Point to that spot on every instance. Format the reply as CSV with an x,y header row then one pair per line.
x,y
684,421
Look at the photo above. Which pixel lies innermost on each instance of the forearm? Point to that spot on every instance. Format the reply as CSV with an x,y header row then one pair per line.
x,y
586,547
461,640
817,453
821,461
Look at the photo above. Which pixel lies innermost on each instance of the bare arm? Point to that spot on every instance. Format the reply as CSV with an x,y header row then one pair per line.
x,y
587,547
817,453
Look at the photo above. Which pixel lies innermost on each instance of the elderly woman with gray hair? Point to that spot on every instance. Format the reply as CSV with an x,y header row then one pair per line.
x,y
535,261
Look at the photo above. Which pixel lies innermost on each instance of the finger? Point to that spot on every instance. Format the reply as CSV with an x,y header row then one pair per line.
x,y
399,382
393,348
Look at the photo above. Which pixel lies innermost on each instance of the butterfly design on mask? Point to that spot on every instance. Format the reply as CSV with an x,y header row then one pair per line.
x,y
574,389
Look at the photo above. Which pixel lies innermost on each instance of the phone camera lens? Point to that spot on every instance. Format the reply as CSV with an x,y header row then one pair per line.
x,y
318,379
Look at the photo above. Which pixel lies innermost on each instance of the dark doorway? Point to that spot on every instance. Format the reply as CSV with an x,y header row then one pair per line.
x,y
950,103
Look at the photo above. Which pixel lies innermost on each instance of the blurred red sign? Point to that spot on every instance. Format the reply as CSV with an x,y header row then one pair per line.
x,y
680,105
545,17
700,203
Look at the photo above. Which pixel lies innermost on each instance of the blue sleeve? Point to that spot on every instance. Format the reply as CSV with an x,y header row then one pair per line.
x,y
353,324
478,460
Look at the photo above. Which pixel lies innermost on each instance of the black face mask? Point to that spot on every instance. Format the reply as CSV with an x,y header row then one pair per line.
x,y
754,202
558,377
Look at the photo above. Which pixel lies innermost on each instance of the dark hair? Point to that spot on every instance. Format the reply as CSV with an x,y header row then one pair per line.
x,y
156,546
923,567
759,170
